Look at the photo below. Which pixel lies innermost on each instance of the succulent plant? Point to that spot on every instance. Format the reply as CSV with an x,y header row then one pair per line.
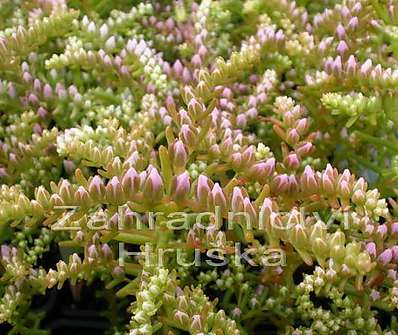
x,y
210,167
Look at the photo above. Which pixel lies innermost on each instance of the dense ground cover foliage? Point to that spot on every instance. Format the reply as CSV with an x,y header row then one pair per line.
x,y
204,167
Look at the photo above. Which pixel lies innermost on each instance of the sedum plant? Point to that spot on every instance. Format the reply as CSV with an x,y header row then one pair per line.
x,y
209,167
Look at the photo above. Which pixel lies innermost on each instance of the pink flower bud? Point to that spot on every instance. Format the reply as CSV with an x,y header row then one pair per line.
x,y
261,171
92,251
178,68
337,66
195,108
342,47
340,31
202,51
37,129
392,274
218,197
353,23
166,67
280,184
3,172
236,160
196,61
179,155
5,252
344,189
262,97
308,181
375,295
378,70
369,229
251,211
328,65
114,190
371,249
248,155
153,186
327,184
293,136
226,146
186,75
382,231
241,121
170,23
27,77
292,162
180,186
252,113
293,184
366,67
253,79
150,88
394,250
215,150
33,100
357,7
159,25
152,20
358,197
11,90
360,185
47,91
345,12
385,257
130,182
203,189
305,149
302,126
227,93
37,86
242,88
114,222
394,228
106,251
351,65
237,200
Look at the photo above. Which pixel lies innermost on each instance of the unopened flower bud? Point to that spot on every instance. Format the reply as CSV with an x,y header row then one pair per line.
x,y
130,182
179,155
96,188
180,186
153,186
188,135
261,171
308,181
394,228
114,192
371,249
292,162
342,47
237,200
218,198
340,31
82,197
385,257
281,183
106,251
292,136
